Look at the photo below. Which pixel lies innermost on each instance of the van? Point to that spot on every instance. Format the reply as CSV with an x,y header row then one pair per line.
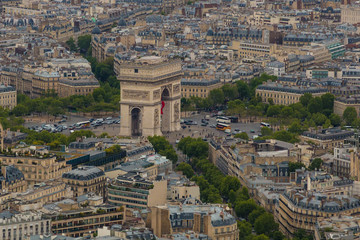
x,y
227,131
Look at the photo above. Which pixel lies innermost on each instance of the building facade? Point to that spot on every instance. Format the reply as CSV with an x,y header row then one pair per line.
x,y
285,95
85,179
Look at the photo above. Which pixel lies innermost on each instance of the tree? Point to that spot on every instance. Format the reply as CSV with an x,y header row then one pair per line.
x,y
315,105
316,164
71,44
243,89
295,165
285,136
301,234
327,124
265,131
349,115
287,112
230,91
242,135
245,229
273,110
255,214
296,127
319,118
335,120
20,110
186,169
84,43
244,208
265,224
229,183
328,101
305,99
216,96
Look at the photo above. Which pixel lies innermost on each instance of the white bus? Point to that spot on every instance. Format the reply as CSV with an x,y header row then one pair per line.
x,y
264,124
223,120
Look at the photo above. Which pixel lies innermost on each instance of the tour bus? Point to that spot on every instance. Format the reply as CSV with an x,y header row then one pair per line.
x,y
223,120
223,126
84,124
264,124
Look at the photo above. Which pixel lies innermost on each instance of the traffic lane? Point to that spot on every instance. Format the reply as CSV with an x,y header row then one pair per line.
x,y
244,127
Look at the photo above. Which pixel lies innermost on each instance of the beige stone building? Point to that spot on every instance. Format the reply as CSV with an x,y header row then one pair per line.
x,y
83,86
136,192
299,209
85,179
326,138
285,95
252,50
150,96
340,104
107,45
184,191
8,97
211,220
86,221
192,87
37,169
350,14
14,180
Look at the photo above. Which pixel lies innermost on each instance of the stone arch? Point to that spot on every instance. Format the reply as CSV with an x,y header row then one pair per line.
x,y
165,110
135,121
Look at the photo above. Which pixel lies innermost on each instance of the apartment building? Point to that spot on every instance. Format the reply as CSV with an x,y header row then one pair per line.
x,y
12,179
85,179
285,95
198,87
107,45
343,166
134,191
300,209
211,220
326,138
39,195
350,14
252,50
17,225
8,96
86,221
37,168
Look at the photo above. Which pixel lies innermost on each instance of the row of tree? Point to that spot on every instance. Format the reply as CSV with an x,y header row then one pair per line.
x,y
163,147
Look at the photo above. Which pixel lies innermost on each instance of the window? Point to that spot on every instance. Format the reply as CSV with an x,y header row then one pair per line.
x,y
136,70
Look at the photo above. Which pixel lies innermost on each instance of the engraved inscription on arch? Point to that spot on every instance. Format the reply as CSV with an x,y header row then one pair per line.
x,y
136,94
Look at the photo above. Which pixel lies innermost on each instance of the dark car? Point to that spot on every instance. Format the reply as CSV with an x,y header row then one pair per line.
x,y
91,120
183,127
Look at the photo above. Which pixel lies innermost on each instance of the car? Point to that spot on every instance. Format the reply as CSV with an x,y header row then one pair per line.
x,y
182,121
204,124
203,121
108,118
212,126
91,120
228,135
183,127
64,116
204,139
194,123
252,131
177,141
64,127
72,127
